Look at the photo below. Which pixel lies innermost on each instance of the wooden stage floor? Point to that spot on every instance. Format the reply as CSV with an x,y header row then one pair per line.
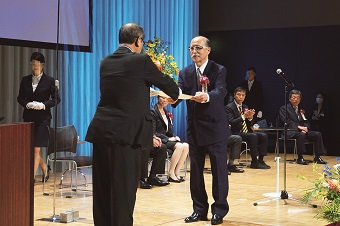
x,y
169,205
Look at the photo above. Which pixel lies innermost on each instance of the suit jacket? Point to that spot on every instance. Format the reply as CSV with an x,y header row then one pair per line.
x,y
293,121
254,97
159,126
45,93
235,119
207,123
123,113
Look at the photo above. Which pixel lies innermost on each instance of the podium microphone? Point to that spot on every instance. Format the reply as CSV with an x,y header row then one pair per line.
x,y
280,72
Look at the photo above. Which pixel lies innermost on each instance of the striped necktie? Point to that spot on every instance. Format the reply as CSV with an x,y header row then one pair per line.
x,y
199,74
244,128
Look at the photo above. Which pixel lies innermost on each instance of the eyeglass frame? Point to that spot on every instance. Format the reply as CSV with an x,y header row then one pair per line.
x,y
197,48
141,39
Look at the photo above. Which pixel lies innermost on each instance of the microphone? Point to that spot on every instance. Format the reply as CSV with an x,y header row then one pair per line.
x,y
280,72
56,83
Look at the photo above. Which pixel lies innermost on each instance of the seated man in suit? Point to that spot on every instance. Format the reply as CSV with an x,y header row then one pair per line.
x,y
240,119
234,147
158,155
296,120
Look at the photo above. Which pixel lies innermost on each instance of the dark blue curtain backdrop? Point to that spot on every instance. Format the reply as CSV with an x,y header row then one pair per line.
x,y
175,21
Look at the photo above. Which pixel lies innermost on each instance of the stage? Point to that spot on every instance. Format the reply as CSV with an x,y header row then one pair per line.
x,y
169,205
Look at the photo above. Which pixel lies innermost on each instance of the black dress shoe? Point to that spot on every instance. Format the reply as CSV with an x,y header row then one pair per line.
x,y
301,162
263,163
173,180
235,169
216,219
157,182
181,179
257,165
229,173
195,217
319,160
144,185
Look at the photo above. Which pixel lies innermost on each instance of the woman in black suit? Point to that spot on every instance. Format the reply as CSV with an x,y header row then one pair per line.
x,y
162,126
37,96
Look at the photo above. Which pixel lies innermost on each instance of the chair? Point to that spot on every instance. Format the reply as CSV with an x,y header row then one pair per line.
x,y
279,123
169,153
66,147
245,150
295,148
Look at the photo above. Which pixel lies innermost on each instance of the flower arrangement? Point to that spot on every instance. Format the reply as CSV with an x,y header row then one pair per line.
x,y
327,189
156,49
204,81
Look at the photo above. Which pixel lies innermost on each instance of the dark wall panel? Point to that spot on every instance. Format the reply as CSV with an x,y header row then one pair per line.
x,y
308,56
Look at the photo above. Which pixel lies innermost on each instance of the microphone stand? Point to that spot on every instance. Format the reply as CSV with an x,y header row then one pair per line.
x,y
284,194
55,218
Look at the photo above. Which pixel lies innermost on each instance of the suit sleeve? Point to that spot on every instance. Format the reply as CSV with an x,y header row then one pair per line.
x,y
162,136
160,80
220,88
233,120
54,95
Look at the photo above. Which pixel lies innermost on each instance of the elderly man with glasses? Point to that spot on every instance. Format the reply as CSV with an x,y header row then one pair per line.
x,y
207,130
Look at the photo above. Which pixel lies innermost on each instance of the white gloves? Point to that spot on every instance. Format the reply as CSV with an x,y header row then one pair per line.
x,y
35,105
259,114
30,105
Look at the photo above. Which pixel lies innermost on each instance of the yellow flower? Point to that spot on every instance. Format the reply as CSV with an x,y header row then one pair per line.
x,y
156,49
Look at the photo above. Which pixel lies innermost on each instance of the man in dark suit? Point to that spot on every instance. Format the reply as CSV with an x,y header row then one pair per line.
x,y
296,119
122,126
207,130
240,119
254,97
158,155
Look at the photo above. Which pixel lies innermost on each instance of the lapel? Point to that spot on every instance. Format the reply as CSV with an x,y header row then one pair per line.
x,y
42,81
236,111
160,116
192,76
292,112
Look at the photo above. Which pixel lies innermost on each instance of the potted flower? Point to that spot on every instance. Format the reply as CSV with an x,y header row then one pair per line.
x,y
326,188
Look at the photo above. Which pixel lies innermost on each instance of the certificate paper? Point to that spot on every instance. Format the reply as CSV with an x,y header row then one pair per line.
x,y
162,94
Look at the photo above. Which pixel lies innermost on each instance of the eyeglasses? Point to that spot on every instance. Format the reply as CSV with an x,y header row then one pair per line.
x,y
197,48
142,39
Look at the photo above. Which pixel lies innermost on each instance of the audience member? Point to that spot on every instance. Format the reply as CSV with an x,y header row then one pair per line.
x,y
234,147
296,120
122,126
319,117
158,155
240,119
37,94
162,126
207,130
254,97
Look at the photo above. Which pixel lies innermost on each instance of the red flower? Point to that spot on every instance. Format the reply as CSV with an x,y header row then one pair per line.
x,y
204,80
170,115
302,111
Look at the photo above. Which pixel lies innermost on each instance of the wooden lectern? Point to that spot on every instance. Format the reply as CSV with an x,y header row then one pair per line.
x,y
16,174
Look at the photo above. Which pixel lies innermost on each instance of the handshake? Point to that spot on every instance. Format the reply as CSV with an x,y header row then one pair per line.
x,y
35,105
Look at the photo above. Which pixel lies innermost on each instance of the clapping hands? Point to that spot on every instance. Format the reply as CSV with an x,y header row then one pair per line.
x,y
248,113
